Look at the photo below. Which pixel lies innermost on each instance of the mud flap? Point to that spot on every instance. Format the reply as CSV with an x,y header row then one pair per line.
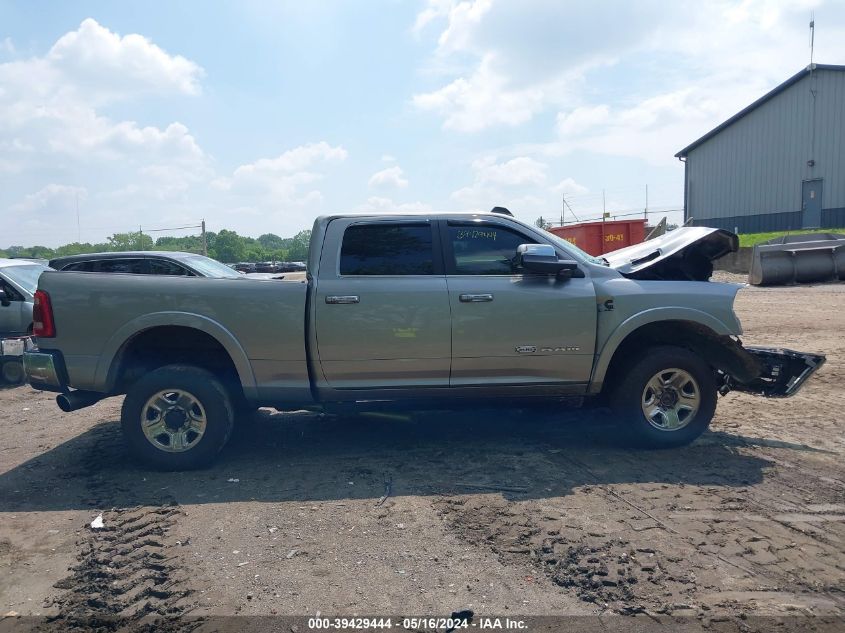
x,y
783,372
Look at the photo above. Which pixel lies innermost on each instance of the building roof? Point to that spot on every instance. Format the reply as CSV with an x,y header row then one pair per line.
x,y
769,95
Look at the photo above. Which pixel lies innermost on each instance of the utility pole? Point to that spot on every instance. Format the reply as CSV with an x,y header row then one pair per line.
x,y
562,208
646,203
140,239
78,229
204,242
603,206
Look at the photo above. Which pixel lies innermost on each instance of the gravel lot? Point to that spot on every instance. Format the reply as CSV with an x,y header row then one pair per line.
x,y
522,512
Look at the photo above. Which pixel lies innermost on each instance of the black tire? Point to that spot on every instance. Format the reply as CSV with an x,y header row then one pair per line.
x,y
13,372
628,397
208,393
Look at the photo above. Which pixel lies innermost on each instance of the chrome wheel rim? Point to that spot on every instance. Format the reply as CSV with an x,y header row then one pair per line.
x,y
173,420
671,399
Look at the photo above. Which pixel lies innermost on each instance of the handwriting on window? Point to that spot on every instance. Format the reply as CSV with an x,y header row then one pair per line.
x,y
476,234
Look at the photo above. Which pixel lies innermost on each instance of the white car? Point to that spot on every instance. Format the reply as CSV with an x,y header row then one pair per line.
x,y
18,280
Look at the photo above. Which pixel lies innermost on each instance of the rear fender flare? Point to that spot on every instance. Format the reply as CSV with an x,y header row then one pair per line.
x,y
107,366
631,324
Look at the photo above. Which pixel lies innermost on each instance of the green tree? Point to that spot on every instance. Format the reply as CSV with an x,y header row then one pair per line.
x,y
130,242
229,247
271,242
298,250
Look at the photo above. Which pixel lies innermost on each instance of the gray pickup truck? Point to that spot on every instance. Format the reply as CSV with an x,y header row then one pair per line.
x,y
413,310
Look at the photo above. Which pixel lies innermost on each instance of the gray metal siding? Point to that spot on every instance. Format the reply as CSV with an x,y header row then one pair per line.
x,y
755,166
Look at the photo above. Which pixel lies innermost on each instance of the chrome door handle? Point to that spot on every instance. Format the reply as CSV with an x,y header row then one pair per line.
x,y
343,299
476,298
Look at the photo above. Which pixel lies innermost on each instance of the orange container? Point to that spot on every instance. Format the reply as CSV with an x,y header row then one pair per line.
x,y
598,238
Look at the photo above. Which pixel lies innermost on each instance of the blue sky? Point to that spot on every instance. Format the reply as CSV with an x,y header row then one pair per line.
x,y
258,116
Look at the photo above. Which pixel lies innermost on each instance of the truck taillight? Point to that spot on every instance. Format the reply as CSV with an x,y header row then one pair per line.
x,y
43,325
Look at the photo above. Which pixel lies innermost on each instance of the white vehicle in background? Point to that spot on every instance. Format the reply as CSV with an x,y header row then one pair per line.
x,y
18,281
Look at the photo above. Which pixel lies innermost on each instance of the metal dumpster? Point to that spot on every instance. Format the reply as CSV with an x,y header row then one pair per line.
x,y
598,238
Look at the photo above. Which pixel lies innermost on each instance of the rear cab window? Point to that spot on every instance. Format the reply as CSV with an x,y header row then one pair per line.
x,y
387,249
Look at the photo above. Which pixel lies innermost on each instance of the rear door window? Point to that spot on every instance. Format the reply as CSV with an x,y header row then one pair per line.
x,y
484,249
132,266
387,249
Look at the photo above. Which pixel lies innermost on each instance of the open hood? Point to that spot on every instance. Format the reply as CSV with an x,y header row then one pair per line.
x,y
685,254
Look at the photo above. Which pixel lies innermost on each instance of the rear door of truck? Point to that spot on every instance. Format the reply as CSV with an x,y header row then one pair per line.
x,y
381,305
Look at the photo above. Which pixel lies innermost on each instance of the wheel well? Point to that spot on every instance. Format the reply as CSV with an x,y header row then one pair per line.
x,y
721,352
170,345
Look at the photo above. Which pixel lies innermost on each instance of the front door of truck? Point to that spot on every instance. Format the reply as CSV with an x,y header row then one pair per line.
x,y
511,328
382,308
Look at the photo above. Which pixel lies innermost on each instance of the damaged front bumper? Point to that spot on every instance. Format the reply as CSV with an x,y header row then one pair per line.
x,y
782,372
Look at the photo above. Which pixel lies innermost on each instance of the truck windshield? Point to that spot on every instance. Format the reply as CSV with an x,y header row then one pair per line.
x,y
26,275
211,267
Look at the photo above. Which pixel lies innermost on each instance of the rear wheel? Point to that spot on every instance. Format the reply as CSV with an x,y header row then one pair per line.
x,y
177,417
667,398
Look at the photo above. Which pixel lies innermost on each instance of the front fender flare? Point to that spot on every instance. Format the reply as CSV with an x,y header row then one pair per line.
x,y
106,372
632,323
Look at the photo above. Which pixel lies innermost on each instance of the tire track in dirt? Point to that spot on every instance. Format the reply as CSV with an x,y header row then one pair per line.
x,y
664,548
127,577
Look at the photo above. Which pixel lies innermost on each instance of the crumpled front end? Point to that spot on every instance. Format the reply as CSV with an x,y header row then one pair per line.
x,y
782,372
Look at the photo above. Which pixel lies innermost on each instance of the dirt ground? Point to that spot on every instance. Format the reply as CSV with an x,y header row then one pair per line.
x,y
529,512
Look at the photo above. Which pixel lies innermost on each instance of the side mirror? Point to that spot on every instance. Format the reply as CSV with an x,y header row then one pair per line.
x,y
542,259
4,298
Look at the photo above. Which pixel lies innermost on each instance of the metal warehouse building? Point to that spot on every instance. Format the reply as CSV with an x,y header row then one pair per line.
x,y
777,165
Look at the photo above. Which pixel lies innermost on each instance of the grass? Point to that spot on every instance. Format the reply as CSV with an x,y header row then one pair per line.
x,y
750,239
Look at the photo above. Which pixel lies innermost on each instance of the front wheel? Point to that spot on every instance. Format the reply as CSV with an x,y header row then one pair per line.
x,y
177,417
667,398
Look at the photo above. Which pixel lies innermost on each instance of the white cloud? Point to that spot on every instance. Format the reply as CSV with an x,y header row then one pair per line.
x,y
7,46
521,170
293,160
52,102
286,181
581,119
480,101
284,176
390,177
652,130
433,10
569,186
379,204
53,198
509,183
104,64
505,63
